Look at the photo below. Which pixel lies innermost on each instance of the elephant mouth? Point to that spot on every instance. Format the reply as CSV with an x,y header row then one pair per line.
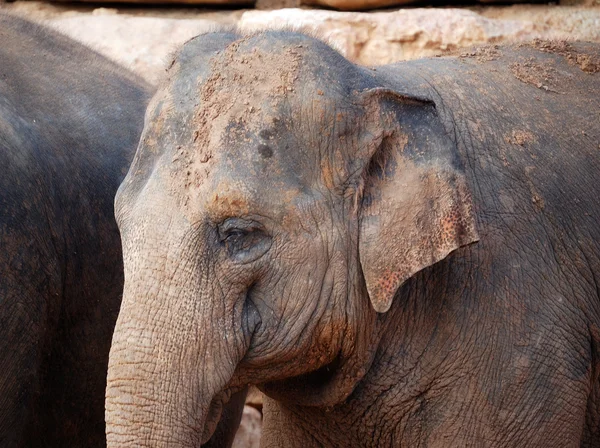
x,y
215,410
324,386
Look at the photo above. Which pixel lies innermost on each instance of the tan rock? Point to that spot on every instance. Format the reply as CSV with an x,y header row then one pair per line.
x,y
248,435
580,23
384,37
142,44
255,398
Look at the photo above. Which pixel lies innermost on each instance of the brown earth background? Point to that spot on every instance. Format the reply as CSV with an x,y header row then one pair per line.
x,y
142,37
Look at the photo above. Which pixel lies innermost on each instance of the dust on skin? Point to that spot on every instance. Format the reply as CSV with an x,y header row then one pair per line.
x,y
536,197
519,137
232,104
327,173
483,54
227,200
239,80
541,74
588,63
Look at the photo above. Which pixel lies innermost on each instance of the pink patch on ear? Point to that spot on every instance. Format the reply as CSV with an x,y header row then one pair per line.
x,y
389,281
456,230
385,289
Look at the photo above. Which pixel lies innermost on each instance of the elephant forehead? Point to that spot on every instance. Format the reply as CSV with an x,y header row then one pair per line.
x,y
257,75
250,75
249,129
238,197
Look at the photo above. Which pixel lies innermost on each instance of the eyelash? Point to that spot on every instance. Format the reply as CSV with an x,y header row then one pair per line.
x,y
233,237
243,245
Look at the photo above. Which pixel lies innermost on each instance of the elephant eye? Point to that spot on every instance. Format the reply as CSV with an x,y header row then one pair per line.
x,y
244,240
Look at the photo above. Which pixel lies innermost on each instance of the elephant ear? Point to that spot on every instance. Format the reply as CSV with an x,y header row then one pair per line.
x,y
416,206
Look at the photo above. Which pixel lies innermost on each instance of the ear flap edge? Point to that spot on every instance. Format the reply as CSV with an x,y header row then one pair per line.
x,y
415,210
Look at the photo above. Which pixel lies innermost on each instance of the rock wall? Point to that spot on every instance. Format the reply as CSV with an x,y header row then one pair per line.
x,y
384,37
143,40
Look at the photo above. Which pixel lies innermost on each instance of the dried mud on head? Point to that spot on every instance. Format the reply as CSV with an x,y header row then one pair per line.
x,y
483,54
543,73
540,74
519,137
242,83
588,63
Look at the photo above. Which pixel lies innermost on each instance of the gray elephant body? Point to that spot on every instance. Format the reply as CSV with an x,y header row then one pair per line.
x,y
497,345
70,121
465,189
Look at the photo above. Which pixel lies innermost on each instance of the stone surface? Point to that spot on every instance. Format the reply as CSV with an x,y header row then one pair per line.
x,y
143,44
255,398
579,23
248,435
384,37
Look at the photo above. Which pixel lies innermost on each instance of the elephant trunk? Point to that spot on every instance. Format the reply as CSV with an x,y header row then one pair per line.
x,y
171,359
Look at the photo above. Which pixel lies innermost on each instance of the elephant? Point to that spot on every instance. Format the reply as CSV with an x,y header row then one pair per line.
x,y
70,121
400,255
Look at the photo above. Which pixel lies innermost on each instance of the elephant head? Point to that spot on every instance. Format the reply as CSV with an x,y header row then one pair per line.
x,y
279,197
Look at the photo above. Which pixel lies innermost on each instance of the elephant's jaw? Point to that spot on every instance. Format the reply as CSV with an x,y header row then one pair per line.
x,y
326,386
215,411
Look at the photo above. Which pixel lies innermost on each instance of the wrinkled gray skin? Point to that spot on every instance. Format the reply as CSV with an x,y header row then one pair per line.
x,y
69,124
70,121
405,256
